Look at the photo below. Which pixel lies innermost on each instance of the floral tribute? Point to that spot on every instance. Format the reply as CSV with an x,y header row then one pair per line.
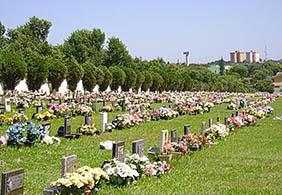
x,y
85,180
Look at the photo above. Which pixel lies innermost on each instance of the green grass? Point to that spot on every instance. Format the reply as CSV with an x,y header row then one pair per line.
x,y
248,162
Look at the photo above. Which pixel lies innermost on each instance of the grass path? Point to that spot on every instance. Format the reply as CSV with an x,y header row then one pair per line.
x,y
248,162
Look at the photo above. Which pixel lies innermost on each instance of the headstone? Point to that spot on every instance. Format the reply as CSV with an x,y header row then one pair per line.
x,y
118,151
21,111
46,127
232,115
94,106
225,121
164,139
69,164
217,120
88,120
104,120
173,135
210,122
138,147
104,103
203,128
39,109
186,129
123,107
237,113
67,125
13,182
51,190
2,108
8,104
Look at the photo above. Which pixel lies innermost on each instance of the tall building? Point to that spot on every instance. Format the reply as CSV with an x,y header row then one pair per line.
x,y
240,57
256,57
233,57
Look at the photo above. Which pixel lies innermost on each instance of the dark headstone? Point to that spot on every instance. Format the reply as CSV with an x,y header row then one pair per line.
x,y
13,182
69,164
225,121
2,108
237,113
52,190
21,111
118,151
67,125
138,147
186,129
210,122
232,115
217,119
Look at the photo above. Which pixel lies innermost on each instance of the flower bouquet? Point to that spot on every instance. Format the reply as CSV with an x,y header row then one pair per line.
x,y
19,118
44,116
84,180
88,129
157,168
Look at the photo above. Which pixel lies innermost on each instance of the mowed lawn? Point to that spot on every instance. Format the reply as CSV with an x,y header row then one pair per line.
x,y
248,162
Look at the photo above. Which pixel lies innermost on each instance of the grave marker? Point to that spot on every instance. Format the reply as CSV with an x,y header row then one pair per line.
x,y
39,109
46,127
210,122
67,125
88,120
186,129
104,120
164,139
173,135
203,128
138,147
13,182
217,120
118,151
68,164
8,104
21,111
225,121
2,108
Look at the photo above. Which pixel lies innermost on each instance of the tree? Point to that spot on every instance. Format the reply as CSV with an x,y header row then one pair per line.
x,y
107,80
85,45
57,71
130,80
264,85
147,82
2,29
221,67
37,72
89,79
242,70
75,73
139,80
12,69
118,77
157,81
117,53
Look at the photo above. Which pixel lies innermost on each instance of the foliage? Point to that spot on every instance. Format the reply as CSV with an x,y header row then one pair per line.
x,y
75,73
221,67
12,68
89,79
157,81
148,81
118,77
107,80
57,72
130,80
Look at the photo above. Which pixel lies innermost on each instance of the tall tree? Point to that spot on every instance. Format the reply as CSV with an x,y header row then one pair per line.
x,y
57,71
107,79
118,77
130,80
117,53
221,67
75,73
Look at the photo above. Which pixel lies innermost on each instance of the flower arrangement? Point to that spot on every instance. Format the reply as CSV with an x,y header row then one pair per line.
x,y
44,116
85,180
195,141
157,168
171,147
6,120
83,109
88,129
19,118
218,130
108,108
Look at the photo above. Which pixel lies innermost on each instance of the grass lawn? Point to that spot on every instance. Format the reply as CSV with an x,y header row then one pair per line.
x,y
248,162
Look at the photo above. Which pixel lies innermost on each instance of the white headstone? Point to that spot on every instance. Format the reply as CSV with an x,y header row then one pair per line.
x,y
104,120
8,104
164,139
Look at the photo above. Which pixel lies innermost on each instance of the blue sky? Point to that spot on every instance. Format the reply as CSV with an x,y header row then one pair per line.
x,y
162,28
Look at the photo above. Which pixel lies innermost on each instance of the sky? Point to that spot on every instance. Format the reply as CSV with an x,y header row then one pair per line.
x,y
209,29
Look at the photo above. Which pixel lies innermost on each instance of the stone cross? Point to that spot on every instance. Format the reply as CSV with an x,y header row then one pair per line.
x,y
138,147
13,182
69,164
118,152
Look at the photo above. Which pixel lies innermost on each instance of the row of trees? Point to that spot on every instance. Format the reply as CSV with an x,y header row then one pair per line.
x,y
85,55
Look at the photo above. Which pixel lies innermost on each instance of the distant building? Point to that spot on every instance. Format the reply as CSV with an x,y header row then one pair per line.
x,y
239,57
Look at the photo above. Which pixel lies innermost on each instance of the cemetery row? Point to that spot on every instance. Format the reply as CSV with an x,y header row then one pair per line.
x,y
187,103
124,169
